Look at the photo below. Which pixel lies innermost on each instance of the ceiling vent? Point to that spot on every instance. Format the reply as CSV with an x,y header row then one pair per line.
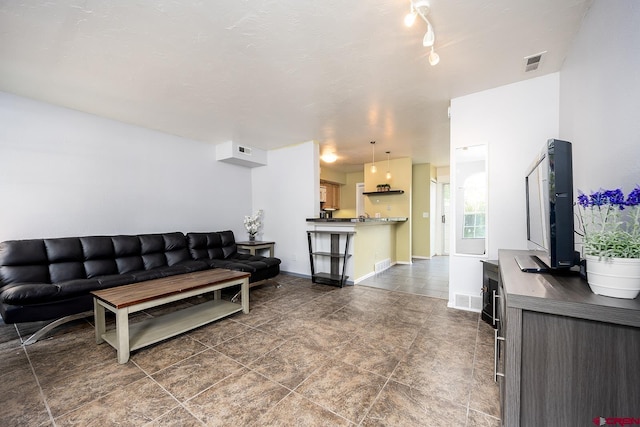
x,y
532,62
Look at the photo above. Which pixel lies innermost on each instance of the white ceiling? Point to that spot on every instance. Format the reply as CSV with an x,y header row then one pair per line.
x,y
270,73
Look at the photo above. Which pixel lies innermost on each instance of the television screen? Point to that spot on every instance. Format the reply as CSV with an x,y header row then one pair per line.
x,y
549,208
537,186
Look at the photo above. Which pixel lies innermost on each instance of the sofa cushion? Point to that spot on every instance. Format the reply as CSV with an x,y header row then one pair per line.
x,y
270,262
28,293
214,245
23,261
175,248
112,280
152,250
229,264
78,287
24,273
99,256
126,246
97,247
100,267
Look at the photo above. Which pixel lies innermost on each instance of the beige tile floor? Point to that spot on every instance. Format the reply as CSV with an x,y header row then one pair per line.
x,y
306,355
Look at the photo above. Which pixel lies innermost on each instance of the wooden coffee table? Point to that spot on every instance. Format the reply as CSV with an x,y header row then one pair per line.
x,y
127,299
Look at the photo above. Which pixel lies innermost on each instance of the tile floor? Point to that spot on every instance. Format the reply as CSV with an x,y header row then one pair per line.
x,y
306,355
429,277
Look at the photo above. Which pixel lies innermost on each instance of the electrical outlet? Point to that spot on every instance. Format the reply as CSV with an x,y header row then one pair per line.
x,y
425,214
294,258
388,207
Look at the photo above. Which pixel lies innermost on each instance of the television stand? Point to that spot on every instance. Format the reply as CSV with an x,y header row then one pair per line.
x,y
565,354
530,264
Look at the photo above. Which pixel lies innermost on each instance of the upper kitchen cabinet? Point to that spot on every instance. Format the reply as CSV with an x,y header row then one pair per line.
x,y
331,192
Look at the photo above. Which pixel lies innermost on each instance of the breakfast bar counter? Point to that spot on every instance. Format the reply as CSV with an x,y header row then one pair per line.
x,y
372,247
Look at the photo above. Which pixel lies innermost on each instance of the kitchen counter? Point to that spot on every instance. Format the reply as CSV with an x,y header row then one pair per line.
x,y
369,220
373,246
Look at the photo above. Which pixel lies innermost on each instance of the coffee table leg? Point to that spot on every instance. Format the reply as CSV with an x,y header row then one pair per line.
x,y
99,320
122,335
244,290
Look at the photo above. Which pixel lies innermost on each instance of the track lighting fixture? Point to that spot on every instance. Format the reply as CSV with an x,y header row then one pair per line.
x,y
388,170
374,169
421,8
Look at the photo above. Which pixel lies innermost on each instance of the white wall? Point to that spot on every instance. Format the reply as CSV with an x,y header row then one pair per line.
x,y
515,122
600,97
67,173
288,191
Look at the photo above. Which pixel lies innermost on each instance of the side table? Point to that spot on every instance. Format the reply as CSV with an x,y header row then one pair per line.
x,y
253,245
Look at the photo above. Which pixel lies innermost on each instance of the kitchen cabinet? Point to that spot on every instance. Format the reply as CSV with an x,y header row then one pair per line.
x,y
564,355
331,194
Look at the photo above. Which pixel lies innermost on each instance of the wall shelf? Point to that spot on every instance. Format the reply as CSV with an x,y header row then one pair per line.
x,y
383,193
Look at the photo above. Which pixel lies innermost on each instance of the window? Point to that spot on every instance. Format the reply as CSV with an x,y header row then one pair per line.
x,y
475,207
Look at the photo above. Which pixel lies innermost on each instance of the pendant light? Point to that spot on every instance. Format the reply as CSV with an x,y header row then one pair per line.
x,y
388,170
374,169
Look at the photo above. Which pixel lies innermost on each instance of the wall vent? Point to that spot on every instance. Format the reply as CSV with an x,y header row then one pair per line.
x,y
468,302
381,266
532,62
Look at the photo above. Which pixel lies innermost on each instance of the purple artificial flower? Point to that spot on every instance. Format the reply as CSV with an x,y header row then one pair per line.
x,y
615,197
583,200
634,197
598,198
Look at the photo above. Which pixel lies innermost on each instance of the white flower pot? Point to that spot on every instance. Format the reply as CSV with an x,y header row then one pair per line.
x,y
614,277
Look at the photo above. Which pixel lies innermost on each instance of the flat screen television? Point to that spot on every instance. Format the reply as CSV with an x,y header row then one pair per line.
x,y
549,208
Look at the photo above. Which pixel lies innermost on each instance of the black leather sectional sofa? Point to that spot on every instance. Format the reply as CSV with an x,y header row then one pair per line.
x,y
45,279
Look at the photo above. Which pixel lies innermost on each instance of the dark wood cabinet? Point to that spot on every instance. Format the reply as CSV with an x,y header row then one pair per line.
x,y
564,356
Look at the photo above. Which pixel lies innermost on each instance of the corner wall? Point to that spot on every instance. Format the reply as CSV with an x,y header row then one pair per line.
x,y
288,191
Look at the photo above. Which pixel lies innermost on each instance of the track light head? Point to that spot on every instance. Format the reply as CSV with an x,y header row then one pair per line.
x,y
429,37
410,17
434,58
